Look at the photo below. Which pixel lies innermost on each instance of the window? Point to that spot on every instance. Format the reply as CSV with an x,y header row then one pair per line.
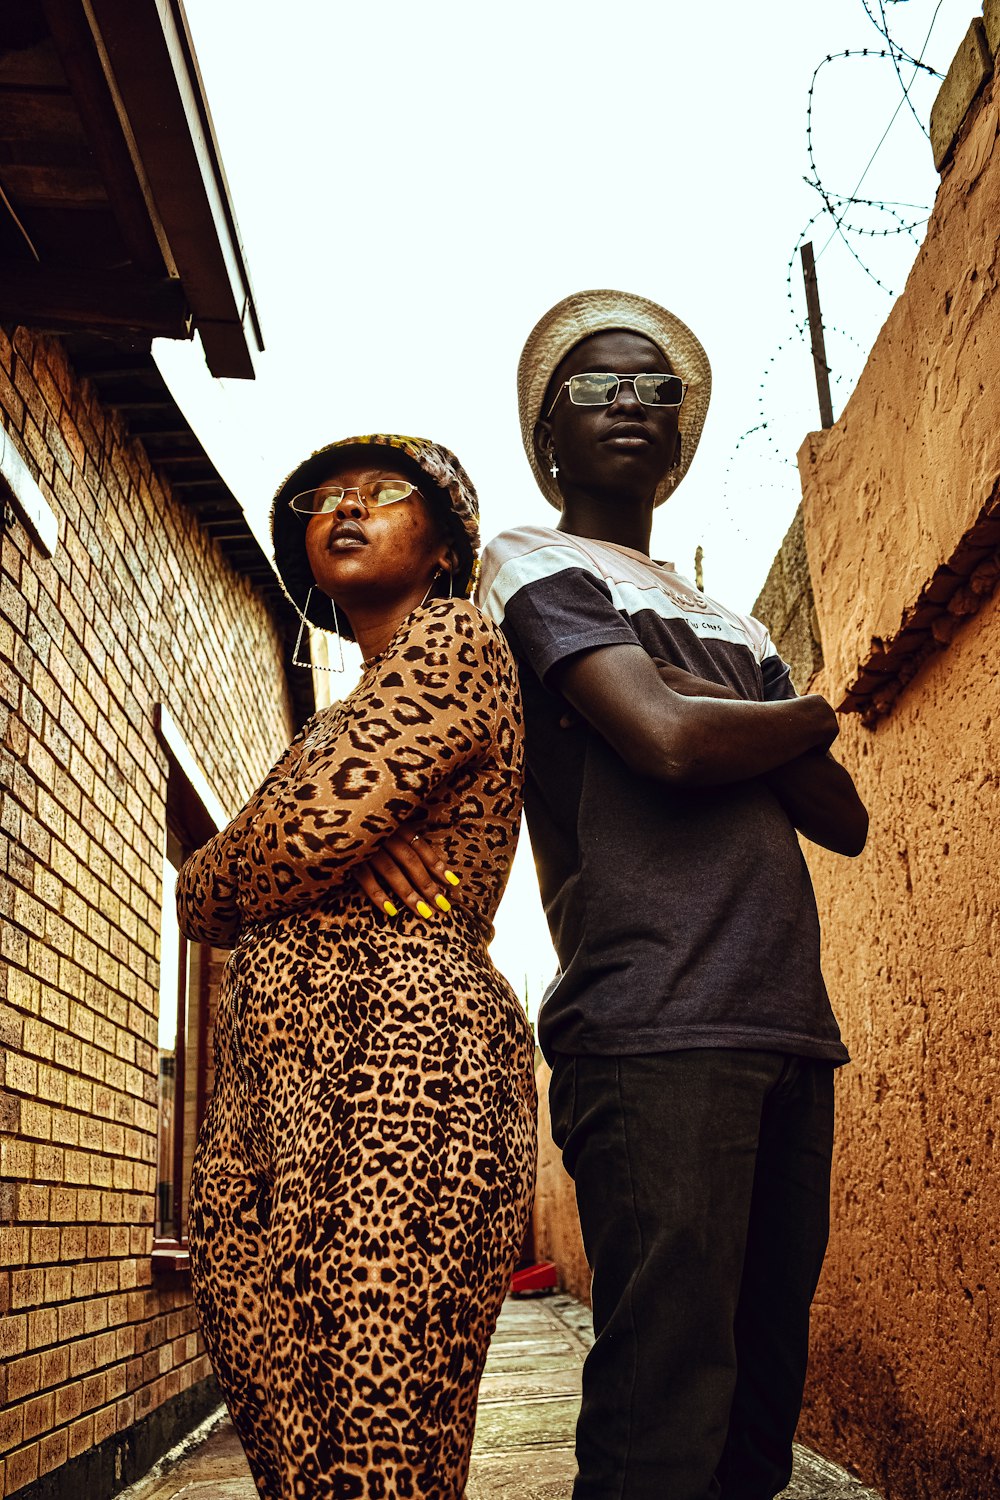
x,y
189,975
183,1039
28,501
172,984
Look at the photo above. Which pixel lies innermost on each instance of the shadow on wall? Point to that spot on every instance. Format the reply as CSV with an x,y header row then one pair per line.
x,y
556,1222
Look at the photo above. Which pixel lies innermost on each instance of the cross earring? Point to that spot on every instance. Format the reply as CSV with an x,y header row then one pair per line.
x,y
553,468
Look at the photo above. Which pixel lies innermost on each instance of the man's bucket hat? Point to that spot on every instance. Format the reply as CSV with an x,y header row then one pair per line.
x,y
576,318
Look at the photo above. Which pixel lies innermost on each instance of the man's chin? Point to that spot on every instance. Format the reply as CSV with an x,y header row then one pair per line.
x,y
631,476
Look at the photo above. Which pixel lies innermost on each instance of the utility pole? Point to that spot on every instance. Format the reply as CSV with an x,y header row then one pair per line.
x,y
816,336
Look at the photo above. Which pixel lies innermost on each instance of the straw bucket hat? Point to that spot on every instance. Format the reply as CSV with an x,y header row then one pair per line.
x,y
431,466
576,318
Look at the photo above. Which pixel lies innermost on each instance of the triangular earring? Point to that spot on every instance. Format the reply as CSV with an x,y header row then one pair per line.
x,y
302,614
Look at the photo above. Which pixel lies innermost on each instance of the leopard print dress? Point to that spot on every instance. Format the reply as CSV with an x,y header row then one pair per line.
x,y
364,1176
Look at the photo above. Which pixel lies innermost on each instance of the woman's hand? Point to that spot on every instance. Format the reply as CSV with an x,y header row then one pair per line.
x,y
407,869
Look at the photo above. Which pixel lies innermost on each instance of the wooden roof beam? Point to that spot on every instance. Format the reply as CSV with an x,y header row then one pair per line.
x,y
81,63
150,67
57,298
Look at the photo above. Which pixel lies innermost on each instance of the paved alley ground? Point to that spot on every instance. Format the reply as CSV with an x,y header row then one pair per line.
x,y
524,1436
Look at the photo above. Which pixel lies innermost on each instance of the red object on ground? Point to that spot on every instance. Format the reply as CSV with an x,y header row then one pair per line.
x,y
542,1277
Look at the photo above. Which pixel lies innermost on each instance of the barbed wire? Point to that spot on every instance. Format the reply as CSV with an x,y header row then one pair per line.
x,y
765,425
838,205
848,212
899,54
918,66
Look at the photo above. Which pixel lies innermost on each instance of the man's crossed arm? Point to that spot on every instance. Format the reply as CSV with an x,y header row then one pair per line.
x,y
685,731
687,734
816,793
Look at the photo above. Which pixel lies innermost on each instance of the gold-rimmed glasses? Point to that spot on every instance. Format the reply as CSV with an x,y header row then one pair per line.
x,y
326,497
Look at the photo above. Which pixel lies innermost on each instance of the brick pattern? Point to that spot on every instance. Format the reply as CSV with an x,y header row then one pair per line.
x,y
137,605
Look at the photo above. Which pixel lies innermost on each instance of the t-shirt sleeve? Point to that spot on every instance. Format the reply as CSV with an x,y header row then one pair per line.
x,y
775,673
777,679
550,600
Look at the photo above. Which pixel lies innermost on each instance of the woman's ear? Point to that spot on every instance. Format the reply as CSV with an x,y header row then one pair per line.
x,y
448,560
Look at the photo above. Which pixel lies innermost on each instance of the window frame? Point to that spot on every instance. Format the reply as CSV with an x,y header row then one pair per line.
x,y
193,815
19,490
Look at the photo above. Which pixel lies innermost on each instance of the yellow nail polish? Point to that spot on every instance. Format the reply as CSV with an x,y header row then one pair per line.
x,y
424,909
451,877
389,909
442,902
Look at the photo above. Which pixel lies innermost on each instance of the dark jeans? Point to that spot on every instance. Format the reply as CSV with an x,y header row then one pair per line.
x,y
703,1183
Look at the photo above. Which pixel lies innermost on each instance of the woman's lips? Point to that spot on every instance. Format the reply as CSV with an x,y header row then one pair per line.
x,y
346,536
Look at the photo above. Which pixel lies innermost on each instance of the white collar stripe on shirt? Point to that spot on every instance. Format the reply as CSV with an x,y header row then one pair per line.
x,y
520,557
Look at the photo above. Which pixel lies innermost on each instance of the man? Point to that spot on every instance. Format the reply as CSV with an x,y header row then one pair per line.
x,y
691,1039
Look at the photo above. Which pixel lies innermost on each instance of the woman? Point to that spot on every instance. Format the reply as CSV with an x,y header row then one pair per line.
x,y
364,1176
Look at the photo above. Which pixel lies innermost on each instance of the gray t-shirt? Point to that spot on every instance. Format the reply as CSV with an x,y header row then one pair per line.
x,y
682,917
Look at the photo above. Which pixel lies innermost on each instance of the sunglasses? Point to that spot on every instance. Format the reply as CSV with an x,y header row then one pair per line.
x,y
327,497
601,389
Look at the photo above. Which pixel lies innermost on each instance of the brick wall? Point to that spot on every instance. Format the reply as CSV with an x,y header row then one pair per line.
x,y
136,606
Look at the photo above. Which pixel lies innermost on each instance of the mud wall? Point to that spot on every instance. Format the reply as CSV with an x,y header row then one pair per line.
x,y
901,511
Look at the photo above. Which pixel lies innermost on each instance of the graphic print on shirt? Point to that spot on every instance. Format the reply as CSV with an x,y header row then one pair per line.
x,y
657,606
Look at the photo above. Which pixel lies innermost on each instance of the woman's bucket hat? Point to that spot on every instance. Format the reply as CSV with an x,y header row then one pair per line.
x,y
576,318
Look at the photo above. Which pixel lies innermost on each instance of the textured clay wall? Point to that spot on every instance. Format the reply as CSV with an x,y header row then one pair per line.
x,y
903,1382
903,1379
136,606
912,462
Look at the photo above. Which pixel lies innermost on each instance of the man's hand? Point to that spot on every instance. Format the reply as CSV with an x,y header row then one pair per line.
x,y
820,800
816,793
408,870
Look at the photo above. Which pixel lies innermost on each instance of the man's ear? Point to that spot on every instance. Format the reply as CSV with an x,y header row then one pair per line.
x,y
545,450
677,452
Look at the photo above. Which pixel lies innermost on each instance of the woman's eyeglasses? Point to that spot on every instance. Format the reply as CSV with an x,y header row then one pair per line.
x,y
601,389
327,497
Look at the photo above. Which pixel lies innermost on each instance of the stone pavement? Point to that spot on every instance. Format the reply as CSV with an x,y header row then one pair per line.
x,y
528,1403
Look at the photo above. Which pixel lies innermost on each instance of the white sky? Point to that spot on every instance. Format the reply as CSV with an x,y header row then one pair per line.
x,y
416,184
